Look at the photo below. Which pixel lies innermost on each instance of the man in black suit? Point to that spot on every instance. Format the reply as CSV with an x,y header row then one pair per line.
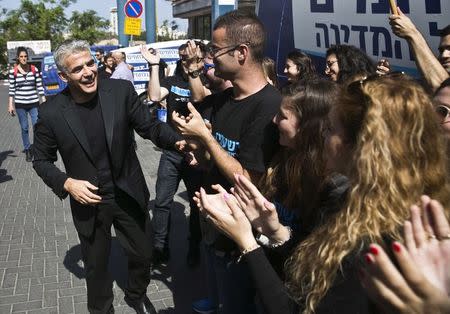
x,y
89,125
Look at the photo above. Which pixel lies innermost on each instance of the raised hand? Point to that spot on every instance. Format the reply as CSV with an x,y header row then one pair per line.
x,y
150,57
428,242
81,191
261,213
401,25
400,291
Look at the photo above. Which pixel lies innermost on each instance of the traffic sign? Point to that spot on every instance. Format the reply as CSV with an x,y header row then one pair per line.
x,y
132,26
133,8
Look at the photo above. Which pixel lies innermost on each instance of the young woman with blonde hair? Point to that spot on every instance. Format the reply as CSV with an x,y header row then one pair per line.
x,y
384,136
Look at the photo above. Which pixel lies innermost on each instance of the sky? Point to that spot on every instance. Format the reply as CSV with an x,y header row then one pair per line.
x,y
103,7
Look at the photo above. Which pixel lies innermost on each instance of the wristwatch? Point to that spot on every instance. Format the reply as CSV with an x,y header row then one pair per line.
x,y
194,74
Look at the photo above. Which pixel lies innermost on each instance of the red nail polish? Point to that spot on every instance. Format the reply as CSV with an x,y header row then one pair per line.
x,y
396,247
373,250
369,259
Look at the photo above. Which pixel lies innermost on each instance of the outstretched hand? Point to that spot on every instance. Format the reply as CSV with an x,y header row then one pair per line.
x,y
193,125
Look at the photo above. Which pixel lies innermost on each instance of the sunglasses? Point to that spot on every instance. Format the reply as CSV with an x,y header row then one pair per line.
x,y
443,112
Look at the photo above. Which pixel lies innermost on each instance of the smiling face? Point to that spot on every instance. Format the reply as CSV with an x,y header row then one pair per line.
x,y
442,99
332,67
288,124
291,70
81,76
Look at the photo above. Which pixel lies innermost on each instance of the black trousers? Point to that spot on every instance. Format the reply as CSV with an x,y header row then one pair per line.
x,y
172,168
134,232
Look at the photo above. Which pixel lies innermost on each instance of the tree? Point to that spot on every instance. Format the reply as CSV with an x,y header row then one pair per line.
x,y
41,20
88,26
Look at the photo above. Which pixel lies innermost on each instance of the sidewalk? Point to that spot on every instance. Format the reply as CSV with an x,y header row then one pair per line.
x,y
40,266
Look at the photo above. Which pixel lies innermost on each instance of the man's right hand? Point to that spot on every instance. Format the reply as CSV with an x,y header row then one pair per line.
x,y
80,190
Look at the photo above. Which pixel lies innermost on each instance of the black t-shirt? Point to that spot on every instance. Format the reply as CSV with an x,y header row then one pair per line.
x,y
244,128
91,115
179,94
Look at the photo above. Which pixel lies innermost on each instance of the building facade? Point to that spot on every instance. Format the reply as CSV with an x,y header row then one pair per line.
x,y
200,14
113,22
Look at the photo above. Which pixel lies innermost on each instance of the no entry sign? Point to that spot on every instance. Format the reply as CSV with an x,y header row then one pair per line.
x,y
133,8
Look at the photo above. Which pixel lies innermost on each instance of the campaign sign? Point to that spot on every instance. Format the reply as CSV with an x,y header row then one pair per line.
x,y
318,24
133,8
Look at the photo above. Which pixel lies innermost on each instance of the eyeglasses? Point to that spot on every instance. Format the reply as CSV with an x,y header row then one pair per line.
x,y
443,111
330,64
213,51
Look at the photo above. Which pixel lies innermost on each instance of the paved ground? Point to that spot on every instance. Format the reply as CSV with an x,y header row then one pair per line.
x,y
40,267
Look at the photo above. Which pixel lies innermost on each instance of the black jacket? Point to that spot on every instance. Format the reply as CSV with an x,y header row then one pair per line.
x,y
59,129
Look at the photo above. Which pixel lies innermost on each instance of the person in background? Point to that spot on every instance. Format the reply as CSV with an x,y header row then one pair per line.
x,y
270,71
434,70
442,106
25,94
122,70
173,166
344,62
299,66
99,56
109,67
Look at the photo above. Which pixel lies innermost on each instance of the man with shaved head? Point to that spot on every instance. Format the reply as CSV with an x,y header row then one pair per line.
x,y
122,70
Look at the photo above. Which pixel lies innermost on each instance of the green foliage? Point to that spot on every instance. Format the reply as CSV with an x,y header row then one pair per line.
x,y
166,31
33,20
88,26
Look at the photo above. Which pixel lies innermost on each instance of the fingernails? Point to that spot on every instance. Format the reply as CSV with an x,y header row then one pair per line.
x,y
226,196
373,250
396,247
369,259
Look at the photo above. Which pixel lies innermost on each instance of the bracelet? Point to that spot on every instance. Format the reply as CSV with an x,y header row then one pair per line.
x,y
152,64
246,251
267,242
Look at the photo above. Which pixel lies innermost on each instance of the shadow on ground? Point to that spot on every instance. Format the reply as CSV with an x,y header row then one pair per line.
x,y
4,176
184,283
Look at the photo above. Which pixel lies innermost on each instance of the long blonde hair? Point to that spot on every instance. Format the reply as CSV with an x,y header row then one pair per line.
x,y
398,155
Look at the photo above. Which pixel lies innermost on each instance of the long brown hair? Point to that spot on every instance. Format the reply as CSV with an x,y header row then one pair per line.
x,y
398,155
295,174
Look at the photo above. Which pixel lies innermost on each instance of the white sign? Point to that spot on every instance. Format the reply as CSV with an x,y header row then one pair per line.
x,y
36,49
318,24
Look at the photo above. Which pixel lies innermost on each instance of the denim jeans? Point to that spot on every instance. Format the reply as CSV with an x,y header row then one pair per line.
x,y
22,114
172,168
230,285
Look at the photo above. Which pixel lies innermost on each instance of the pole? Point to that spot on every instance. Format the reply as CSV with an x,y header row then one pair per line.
x,y
123,39
150,20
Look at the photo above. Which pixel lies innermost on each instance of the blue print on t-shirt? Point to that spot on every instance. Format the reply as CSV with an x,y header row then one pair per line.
x,y
229,145
180,91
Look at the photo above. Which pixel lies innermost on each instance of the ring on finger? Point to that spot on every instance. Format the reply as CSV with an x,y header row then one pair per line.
x,y
446,237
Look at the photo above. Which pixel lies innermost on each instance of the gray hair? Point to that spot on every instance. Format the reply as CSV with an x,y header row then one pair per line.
x,y
67,48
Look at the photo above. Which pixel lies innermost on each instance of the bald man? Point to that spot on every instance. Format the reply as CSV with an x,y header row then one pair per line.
x,y
122,70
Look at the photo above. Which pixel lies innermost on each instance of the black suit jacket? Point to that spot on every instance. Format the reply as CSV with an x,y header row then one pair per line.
x,y
59,128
